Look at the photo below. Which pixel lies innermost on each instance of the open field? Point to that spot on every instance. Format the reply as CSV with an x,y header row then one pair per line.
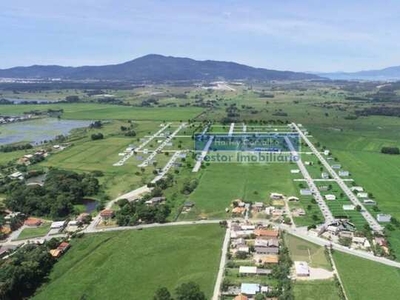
x,y
133,264
29,233
222,183
364,279
88,111
315,290
302,250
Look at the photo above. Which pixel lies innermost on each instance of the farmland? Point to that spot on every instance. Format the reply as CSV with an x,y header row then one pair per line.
x,y
104,266
315,290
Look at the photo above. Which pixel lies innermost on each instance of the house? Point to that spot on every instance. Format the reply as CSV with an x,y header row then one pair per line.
x,y
188,204
369,202
269,210
250,289
336,166
31,222
346,234
324,175
238,242
64,246
82,217
362,195
266,233
276,196
326,152
361,242
330,197
58,225
357,189
243,248
292,199
259,242
308,163
241,297
253,271
323,188
348,207
238,210
301,268
55,253
344,173
107,214
380,241
17,175
258,206
155,200
266,250
305,192
295,171
383,218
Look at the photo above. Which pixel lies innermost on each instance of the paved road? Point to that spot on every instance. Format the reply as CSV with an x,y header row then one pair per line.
x,y
222,264
373,223
168,166
203,155
311,184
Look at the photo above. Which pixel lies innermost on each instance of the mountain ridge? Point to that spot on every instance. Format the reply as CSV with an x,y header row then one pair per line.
x,y
156,67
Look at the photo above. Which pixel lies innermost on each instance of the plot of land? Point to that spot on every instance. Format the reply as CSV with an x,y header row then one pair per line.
x,y
364,279
301,250
315,290
29,233
133,264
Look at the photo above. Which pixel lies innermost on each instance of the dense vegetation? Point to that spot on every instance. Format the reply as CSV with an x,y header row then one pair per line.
x,y
56,198
24,271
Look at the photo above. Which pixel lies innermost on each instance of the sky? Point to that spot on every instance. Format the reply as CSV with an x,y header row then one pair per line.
x,y
306,35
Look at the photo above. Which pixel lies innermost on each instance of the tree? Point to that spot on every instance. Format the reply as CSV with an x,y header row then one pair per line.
x,y
162,294
189,291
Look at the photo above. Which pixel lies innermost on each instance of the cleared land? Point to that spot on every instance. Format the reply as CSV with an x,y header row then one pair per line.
x,y
29,233
364,279
301,250
133,264
315,290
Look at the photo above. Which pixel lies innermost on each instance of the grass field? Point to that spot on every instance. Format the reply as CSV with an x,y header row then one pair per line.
x,y
301,250
29,233
364,279
222,183
133,264
89,111
315,290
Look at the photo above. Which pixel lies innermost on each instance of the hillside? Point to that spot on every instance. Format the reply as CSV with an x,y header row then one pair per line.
x,y
391,73
156,68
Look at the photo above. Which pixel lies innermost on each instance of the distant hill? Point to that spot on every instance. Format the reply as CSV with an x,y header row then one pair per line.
x,y
156,68
391,73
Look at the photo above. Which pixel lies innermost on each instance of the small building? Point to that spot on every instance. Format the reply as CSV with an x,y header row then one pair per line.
x,y
250,289
55,253
33,222
241,297
64,246
324,175
266,250
295,171
344,173
369,202
330,197
107,214
302,269
327,152
266,233
155,200
243,248
188,204
276,196
357,189
258,206
305,192
362,195
383,218
336,166
247,270
293,199
58,225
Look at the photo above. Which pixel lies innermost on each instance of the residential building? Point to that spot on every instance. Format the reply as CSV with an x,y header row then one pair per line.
x,y
383,218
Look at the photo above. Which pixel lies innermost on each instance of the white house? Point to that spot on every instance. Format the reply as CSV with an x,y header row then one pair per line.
x,y
344,173
305,192
326,152
383,218
324,175
250,288
357,189
295,171
369,202
330,197
276,196
362,195
293,198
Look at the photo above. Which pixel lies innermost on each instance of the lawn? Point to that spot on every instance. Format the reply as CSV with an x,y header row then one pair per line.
x,y
364,279
29,233
90,111
302,250
133,264
222,183
315,290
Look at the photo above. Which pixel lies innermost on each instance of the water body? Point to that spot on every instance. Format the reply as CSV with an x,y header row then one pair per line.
x,y
90,205
36,131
